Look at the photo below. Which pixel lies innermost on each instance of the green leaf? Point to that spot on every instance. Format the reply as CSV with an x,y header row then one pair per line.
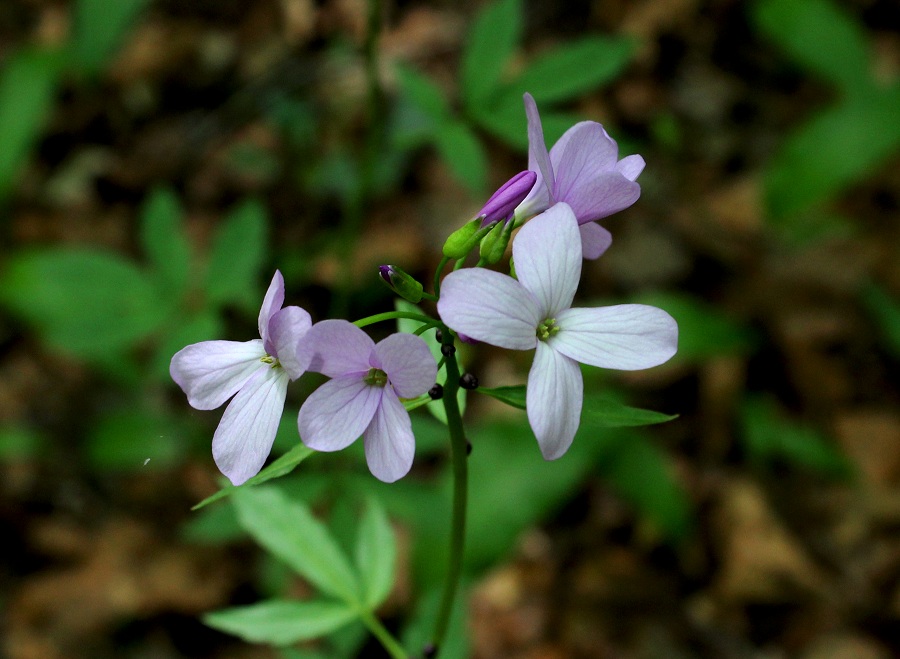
x,y
607,412
641,473
574,69
281,622
423,94
491,41
769,438
82,301
183,331
703,330
506,121
280,467
237,257
376,554
820,35
164,241
833,150
513,396
288,531
28,84
885,311
99,27
19,444
461,149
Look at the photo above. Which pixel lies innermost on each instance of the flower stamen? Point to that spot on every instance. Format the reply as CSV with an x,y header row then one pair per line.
x,y
547,329
376,377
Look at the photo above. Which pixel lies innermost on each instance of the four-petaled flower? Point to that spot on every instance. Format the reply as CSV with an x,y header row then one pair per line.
x,y
363,396
257,371
582,169
534,313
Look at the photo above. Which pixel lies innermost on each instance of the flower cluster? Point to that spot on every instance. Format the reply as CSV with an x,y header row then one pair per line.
x,y
559,200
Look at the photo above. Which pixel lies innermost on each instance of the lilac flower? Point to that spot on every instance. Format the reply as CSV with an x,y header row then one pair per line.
x,y
582,169
363,396
534,312
257,371
504,201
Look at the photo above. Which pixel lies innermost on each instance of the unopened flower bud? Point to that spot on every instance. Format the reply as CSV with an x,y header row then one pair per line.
x,y
503,202
461,241
401,283
494,244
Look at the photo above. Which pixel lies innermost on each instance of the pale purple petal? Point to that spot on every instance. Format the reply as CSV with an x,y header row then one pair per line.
x,y
547,254
408,362
630,167
595,240
583,152
211,372
490,307
286,330
538,158
336,347
247,430
337,413
389,440
271,303
627,337
553,400
602,196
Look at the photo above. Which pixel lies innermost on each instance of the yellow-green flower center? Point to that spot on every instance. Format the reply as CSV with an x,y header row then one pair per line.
x,y
546,329
376,377
271,361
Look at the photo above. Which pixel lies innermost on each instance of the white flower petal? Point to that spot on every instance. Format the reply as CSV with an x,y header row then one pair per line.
x,y
538,157
490,307
211,372
408,362
595,240
337,413
247,430
271,303
335,348
627,337
553,400
630,167
287,328
547,254
389,440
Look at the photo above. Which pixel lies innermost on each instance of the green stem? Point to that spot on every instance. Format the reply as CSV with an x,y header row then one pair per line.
x,y
392,315
384,637
437,275
459,456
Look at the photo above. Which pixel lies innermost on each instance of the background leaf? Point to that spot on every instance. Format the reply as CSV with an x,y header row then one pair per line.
x,y
99,27
237,257
281,622
489,44
164,241
376,553
83,301
461,149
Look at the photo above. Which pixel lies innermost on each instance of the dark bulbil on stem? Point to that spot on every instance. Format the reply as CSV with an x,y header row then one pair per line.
x,y
468,381
448,349
436,392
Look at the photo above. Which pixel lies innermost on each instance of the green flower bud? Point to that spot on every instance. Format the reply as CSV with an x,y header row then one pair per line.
x,y
494,244
461,241
401,283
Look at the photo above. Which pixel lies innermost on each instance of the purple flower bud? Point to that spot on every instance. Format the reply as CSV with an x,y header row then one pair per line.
x,y
503,202
385,272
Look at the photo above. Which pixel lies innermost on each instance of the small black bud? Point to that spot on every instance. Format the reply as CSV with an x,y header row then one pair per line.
x,y
429,651
468,381
436,392
468,447
448,350
439,335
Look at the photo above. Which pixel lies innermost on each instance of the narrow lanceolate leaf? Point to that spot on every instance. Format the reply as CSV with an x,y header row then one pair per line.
x,y
164,241
376,554
281,622
490,43
99,28
463,152
423,93
237,256
803,27
28,84
280,467
610,413
289,531
86,302
575,68
513,396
